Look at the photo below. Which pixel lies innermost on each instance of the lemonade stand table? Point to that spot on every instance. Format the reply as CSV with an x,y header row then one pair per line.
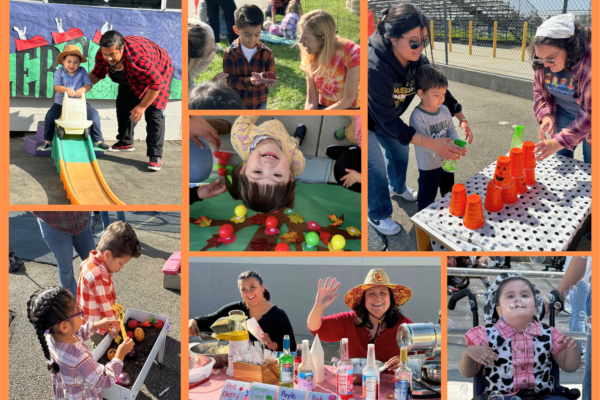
x,y
548,217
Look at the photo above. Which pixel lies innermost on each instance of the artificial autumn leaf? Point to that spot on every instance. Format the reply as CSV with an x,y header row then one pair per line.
x,y
336,221
297,218
260,245
313,226
292,237
325,236
258,219
353,231
214,240
203,221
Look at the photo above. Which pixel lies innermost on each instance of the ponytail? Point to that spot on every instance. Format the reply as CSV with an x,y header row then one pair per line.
x,y
267,295
46,308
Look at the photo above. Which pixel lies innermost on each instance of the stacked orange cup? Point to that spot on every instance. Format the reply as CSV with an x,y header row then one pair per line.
x,y
502,175
458,200
509,194
529,162
474,213
493,198
517,170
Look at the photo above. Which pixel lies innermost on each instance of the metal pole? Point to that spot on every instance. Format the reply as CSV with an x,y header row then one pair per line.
x,y
565,6
432,33
495,37
470,37
450,35
446,29
524,41
477,272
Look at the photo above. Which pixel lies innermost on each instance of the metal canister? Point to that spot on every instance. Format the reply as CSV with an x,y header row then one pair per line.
x,y
421,336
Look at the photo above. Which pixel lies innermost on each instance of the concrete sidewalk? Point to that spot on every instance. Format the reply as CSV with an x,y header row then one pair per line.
x,y
485,110
138,285
35,180
456,342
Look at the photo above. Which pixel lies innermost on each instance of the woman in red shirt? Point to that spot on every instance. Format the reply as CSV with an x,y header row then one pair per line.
x,y
374,318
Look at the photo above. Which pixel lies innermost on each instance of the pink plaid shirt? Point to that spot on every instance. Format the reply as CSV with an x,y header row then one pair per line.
x,y
80,377
523,359
581,127
96,291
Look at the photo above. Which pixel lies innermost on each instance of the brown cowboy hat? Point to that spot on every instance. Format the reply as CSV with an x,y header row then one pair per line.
x,y
68,51
377,277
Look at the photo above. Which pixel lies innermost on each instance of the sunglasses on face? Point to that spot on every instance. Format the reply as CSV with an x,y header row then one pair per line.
x,y
415,45
79,314
539,61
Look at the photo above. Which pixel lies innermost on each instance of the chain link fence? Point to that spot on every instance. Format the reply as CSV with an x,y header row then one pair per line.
x,y
488,35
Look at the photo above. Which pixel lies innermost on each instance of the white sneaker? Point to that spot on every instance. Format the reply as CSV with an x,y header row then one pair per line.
x,y
385,226
408,195
218,48
100,234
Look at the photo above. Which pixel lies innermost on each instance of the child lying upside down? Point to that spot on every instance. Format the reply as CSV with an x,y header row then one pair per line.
x,y
514,348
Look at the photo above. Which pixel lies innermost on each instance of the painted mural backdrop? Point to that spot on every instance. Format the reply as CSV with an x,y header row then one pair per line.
x,y
40,32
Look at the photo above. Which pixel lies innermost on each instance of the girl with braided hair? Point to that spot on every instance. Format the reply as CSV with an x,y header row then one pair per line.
x,y
54,313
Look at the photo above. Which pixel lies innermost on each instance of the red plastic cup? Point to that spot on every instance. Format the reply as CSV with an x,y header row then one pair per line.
x,y
528,155
458,200
516,161
509,194
530,176
493,198
474,213
521,183
502,175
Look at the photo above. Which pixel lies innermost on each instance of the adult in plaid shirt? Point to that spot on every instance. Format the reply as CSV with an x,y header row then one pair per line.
x,y
96,292
143,71
62,232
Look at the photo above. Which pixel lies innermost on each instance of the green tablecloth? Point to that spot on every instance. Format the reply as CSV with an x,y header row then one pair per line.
x,y
313,201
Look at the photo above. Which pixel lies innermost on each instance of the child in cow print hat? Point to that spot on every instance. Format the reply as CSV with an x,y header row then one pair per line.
x,y
514,348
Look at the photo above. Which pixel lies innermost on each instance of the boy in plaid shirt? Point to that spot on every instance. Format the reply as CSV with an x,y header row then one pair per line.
x,y
96,292
247,58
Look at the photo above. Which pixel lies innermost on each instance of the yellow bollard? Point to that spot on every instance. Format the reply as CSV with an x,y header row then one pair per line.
x,y
524,41
470,37
450,35
432,35
495,37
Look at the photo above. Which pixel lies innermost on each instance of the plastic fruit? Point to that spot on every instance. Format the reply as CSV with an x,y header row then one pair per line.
x,y
226,231
132,353
159,324
225,155
338,242
222,171
217,154
111,353
241,211
312,238
132,324
222,161
124,379
271,222
282,247
130,334
138,334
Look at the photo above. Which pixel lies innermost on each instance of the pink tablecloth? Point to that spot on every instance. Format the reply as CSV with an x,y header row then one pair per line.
x,y
212,389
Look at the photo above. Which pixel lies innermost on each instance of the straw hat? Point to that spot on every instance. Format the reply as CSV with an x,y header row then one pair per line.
x,y
70,50
377,277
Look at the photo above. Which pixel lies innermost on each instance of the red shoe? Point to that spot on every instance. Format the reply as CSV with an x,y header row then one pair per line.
x,y
155,163
119,146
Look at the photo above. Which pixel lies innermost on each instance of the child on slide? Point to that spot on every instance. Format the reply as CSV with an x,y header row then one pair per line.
x,y
514,348
71,78
272,158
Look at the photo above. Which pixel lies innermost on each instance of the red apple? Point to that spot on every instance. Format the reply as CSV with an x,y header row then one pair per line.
x,y
159,324
132,324
130,334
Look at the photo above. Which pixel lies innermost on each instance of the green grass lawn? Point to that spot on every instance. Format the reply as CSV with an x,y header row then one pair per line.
x,y
290,91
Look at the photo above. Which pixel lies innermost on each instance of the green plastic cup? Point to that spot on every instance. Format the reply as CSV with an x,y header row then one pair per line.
x,y
451,165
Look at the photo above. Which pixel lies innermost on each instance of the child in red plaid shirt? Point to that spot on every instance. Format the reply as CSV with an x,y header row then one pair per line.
x,y
58,324
515,349
96,292
247,58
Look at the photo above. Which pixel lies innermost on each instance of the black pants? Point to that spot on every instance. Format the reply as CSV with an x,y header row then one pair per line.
x,y
349,159
155,122
429,182
212,12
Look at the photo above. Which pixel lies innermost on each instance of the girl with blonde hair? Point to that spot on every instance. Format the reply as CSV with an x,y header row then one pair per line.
x,y
289,25
331,64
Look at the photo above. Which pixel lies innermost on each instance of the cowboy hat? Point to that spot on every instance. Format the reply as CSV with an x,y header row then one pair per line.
x,y
377,277
70,50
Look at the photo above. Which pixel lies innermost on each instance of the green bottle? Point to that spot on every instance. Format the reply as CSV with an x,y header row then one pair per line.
x,y
451,165
518,136
286,365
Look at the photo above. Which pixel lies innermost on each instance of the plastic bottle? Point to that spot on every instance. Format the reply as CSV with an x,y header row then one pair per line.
x,y
451,165
344,369
286,365
403,386
370,376
306,372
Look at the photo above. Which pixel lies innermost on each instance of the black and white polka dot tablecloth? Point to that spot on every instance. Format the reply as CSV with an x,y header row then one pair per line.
x,y
545,218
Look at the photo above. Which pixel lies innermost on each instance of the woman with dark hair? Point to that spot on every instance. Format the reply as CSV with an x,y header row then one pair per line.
x,y
255,304
201,51
562,87
395,53
374,318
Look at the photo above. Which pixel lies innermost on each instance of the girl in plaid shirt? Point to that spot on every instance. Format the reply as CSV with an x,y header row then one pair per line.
x,y
57,320
516,350
289,25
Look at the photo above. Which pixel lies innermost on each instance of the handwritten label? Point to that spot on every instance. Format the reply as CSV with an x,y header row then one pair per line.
x,y
291,394
261,391
322,396
234,390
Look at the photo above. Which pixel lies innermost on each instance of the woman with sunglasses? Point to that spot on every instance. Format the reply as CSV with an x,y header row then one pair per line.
x,y
395,53
57,320
562,87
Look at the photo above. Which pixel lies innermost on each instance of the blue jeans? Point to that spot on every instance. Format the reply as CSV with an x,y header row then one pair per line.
x,y
385,175
263,106
62,243
587,377
201,162
106,220
587,152
54,114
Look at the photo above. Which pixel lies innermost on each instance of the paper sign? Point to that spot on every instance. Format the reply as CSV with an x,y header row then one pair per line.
x,y
234,390
261,391
322,396
291,394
